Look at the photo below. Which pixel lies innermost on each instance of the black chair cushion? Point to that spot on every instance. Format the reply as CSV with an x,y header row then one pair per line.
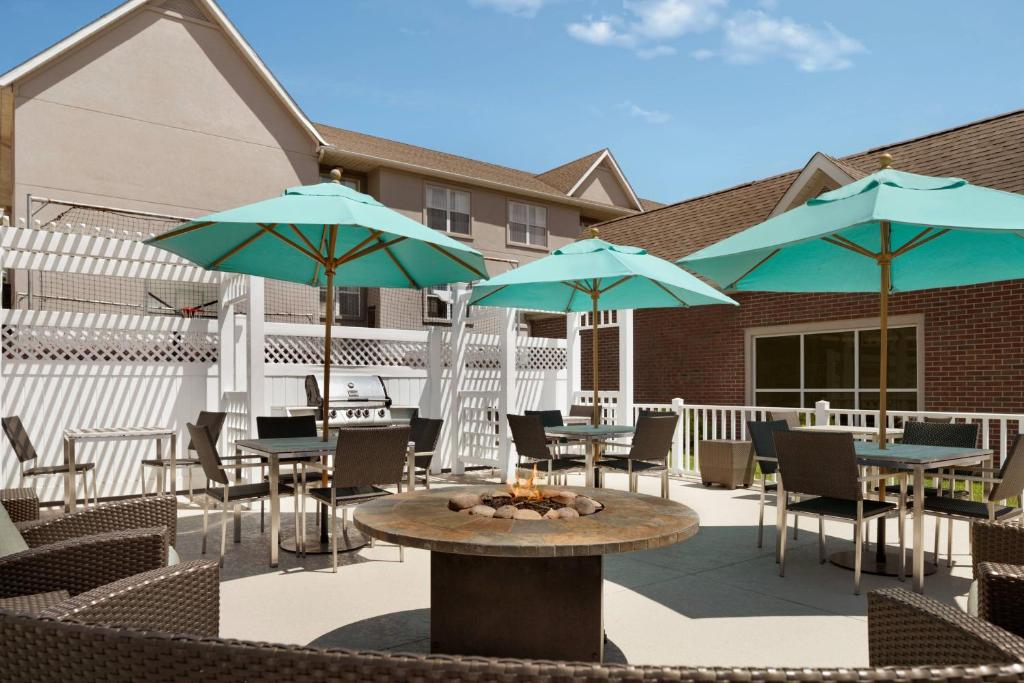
x,y
839,507
351,494
960,507
894,489
423,461
59,469
638,465
556,465
166,462
243,492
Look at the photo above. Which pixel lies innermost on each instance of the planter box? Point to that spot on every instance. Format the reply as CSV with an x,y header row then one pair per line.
x,y
726,462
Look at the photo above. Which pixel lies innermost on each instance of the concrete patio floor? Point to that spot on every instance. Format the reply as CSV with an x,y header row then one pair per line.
x,y
715,599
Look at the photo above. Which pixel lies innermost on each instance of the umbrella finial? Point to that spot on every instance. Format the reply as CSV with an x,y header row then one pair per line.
x,y
336,175
593,231
885,161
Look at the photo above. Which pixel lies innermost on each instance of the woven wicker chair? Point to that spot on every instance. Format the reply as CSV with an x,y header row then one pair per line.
x,y
285,427
824,465
937,433
227,493
535,449
184,598
212,421
790,417
1007,483
424,432
365,459
26,454
910,630
87,549
762,443
652,442
44,651
22,504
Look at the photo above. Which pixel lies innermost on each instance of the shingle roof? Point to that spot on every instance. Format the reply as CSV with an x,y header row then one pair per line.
x,y
989,152
566,176
650,204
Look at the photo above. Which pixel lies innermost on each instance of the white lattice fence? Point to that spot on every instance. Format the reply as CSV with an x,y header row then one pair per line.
x,y
346,352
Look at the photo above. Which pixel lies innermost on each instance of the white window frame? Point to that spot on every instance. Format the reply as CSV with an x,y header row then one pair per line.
x,y
427,187
857,325
508,225
437,293
347,182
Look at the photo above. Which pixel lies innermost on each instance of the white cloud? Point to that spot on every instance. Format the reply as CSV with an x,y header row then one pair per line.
x,y
646,24
648,115
752,35
702,54
519,8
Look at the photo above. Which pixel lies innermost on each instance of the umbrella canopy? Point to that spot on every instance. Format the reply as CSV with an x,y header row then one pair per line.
x,y
325,235
595,275
289,238
888,232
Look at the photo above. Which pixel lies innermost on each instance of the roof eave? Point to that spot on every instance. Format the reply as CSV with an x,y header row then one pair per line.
x,y
607,154
330,152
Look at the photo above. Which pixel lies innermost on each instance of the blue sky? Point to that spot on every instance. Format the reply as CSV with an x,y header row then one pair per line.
x,y
690,95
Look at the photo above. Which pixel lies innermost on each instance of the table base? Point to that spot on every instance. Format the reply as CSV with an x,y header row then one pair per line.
x,y
348,541
889,566
536,608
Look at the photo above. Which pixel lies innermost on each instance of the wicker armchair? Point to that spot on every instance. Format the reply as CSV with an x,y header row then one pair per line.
x,y
184,598
120,655
535,449
652,442
87,549
424,432
22,504
997,554
909,630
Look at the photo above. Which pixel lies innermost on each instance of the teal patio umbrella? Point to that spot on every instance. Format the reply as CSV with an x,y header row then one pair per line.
x,y
888,232
593,275
325,235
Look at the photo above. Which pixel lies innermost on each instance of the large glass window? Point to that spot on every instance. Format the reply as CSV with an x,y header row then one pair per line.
x,y
448,210
838,366
527,224
349,303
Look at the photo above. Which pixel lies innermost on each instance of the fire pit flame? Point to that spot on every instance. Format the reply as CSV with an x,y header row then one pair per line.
x,y
527,489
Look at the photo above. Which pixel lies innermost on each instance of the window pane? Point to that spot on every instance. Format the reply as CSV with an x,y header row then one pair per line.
x,y
902,358
459,201
437,219
538,216
538,236
778,362
517,232
460,223
828,360
777,399
517,213
836,399
350,302
437,198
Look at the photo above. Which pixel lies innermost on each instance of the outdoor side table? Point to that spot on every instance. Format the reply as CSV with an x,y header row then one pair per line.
x,y
22,505
727,462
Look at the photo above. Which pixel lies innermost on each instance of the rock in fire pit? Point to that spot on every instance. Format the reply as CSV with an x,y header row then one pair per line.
x,y
524,500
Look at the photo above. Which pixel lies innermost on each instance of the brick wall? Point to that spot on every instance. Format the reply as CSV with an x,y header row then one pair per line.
x,y
973,344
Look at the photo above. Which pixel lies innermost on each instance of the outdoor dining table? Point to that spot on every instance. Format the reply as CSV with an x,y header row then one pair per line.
x,y
592,436
293,450
891,433
916,459
74,435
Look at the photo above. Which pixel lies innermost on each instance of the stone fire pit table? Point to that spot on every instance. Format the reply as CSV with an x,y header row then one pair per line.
x,y
522,588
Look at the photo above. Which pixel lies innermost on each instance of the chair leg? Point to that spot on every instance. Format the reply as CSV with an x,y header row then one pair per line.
x,y
821,540
949,543
237,528
858,534
262,519
224,531
938,527
142,479
782,533
206,521
760,517
401,553
796,526
334,536
95,496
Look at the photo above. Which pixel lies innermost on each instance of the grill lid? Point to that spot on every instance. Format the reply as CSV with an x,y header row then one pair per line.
x,y
348,389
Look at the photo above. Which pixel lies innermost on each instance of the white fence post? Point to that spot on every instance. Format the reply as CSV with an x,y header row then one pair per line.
x,y
255,333
507,383
679,406
572,358
435,381
460,297
625,403
821,413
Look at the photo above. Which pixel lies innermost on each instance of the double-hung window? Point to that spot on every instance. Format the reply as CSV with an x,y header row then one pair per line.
x,y
349,303
448,210
527,224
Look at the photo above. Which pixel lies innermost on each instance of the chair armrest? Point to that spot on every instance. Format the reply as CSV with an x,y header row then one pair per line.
x,y
996,542
907,629
135,513
81,564
184,598
1000,592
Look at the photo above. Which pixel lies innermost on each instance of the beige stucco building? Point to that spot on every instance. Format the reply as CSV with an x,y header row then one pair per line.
x,y
160,111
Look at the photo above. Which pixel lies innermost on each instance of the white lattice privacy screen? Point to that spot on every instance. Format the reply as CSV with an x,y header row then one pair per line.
x,y
56,343
346,352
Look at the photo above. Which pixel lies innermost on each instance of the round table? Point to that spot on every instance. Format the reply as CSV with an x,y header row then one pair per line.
x,y
522,588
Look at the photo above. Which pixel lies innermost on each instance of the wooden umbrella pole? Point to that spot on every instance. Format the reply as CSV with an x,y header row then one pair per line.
x,y
596,417
885,268
329,323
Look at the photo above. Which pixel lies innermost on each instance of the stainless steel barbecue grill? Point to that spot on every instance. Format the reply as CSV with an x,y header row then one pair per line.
x,y
356,400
